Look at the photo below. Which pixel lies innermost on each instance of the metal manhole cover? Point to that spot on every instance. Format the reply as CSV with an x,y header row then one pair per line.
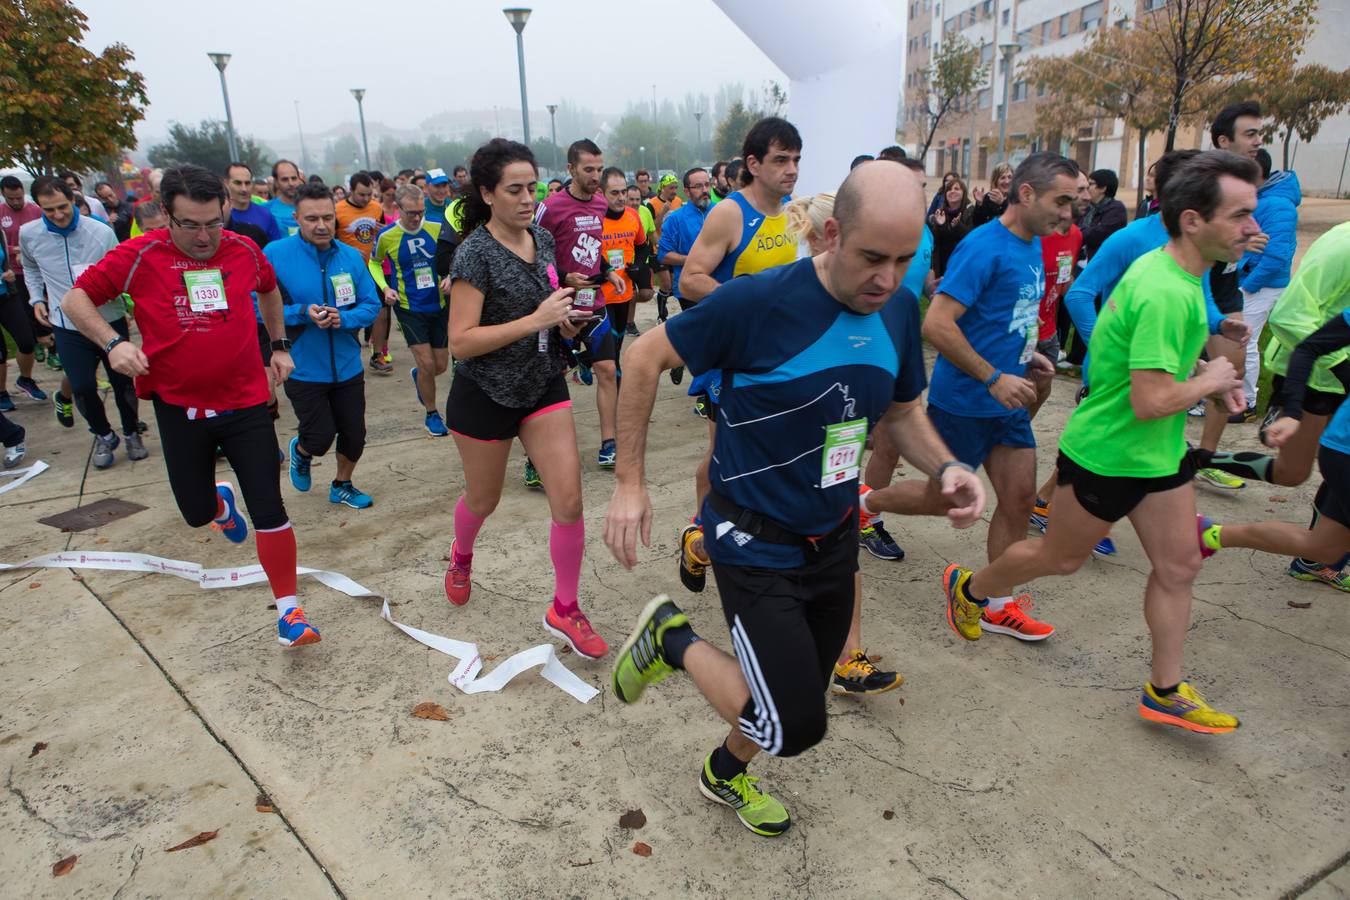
x,y
84,518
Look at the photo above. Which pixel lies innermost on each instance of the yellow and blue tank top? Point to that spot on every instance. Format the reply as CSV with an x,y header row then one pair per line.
x,y
412,258
764,243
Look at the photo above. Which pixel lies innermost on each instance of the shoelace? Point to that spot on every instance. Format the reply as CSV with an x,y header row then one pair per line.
x,y
859,666
580,622
744,786
294,617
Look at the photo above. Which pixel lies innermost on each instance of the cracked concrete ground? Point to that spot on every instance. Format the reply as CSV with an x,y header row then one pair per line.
x,y
1010,770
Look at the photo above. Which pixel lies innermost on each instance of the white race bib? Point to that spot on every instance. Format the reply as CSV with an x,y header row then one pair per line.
x,y
344,290
843,448
426,279
206,290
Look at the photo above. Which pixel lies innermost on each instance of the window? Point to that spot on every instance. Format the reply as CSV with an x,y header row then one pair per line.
x,y
926,42
950,25
1024,37
984,98
987,8
927,4
1007,15
986,54
1064,25
1019,91
1047,32
1150,5
1092,15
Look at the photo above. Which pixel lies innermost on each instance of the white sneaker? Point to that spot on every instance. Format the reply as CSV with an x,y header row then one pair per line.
x,y
14,455
1197,411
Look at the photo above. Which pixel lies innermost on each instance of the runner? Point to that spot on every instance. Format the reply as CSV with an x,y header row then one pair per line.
x,y
622,240
259,237
359,220
16,212
329,297
1060,250
740,237
56,249
682,229
198,365
787,597
409,247
14,319
438,195
286,181
1123,452
239,185
508,320
642,266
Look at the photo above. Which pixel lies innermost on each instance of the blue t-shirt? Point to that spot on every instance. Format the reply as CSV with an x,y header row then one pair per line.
x,y
678,233
260,217
284,213
1000,279
819,365
917,273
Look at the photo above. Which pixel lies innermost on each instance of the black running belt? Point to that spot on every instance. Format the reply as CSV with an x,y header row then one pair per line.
x,y
766,529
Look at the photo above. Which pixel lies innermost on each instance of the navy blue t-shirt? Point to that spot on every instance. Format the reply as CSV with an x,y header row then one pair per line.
x,y
794,361
1000,280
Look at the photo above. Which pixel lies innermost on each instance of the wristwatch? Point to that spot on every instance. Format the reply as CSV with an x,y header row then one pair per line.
x,y
282,344
107,348
951,464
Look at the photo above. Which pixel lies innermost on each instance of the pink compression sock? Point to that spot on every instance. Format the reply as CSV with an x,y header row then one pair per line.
x,y
467,525
566,545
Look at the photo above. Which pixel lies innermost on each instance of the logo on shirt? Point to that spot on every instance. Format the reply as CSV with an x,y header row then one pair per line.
x,y
755,221
740,537
770,242
586,251
860,340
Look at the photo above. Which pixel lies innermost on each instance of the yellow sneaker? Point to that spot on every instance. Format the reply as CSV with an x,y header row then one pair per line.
x,y
962,615
859,676
1185,708
693,566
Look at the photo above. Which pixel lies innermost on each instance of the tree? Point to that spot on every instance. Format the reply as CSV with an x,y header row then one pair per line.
x,y
61,104
731,131
624,148
955,72
1302,102
207,145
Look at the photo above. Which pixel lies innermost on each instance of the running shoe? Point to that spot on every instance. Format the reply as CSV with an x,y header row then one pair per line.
x,y
677,375
757,811
1014,621
1217,478
876,540
1040,515
585,374
6,402
532,479
39,353
142,428
412,373
962,615
14,455
605,460
378,365
1242,418
386,357
457,580
294,631
30,387
1105,547
349,494
1197,410
436,425
1273,412
136,447
1207,535
1185,708
632,329
860,676
693,568
54,361
1298,569
702,407
102,383
576,629
103,450
300,479
641,662
65,410
232,525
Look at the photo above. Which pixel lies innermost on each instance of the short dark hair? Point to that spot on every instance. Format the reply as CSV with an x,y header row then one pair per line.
x,y
406,173
1264,161
1107,181
764,134
733,172
607,174
316,179
718,167
585,145
557,181
144,212
47,184
859,160
421,175
685,180
1225,123
1040,171
236,164
362,178
914,166
67,174
10,182
457,169
376,176
640,172
894,152
193,182
1166,165
106,184
313,190
284,162
1195,185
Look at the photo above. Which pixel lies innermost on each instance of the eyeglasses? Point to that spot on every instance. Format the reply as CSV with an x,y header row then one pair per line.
x,y
196,226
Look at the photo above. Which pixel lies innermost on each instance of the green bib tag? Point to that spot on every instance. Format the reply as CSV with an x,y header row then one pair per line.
x,y
424,276
615,258
843,449
344,290
206,290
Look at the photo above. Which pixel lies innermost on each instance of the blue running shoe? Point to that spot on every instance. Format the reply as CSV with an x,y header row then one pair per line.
x,y
294,631
1105,547
232,525
6,403
413,372
607,453
436,425
349,495
299,467
30,387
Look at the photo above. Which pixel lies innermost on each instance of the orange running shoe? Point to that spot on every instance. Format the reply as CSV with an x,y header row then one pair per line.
x,y
1014,621
576,629
457,583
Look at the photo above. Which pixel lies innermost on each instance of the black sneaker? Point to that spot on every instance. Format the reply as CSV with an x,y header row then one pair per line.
x,y
632,329
876,540
677,375
860,676
1242,418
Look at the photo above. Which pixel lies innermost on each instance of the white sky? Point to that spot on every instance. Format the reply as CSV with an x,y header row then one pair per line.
x,y
414,59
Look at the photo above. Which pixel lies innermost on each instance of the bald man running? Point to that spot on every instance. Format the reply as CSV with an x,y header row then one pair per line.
x,y
781,516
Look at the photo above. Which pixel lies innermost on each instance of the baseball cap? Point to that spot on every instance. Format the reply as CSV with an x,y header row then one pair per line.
x,y
437,176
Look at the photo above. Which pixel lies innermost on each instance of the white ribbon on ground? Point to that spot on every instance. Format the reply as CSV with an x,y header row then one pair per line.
x,y
21,475
470,661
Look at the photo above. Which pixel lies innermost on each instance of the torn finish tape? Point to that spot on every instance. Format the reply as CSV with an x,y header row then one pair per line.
x,y
21,475
465,675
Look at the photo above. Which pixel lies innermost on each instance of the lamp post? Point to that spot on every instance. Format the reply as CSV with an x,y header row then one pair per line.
x,y
656,150
643,151
518,16
359,94
974,121
1009,51
304,155
553,127
221,60
698,118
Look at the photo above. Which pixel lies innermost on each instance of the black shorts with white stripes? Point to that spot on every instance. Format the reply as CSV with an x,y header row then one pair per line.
x,y
788,627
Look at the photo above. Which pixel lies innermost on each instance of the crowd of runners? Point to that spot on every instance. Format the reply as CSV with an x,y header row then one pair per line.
x,y
800,322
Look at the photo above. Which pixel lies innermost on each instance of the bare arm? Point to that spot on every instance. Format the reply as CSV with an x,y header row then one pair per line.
x,y
1156,394
910,430
126,357
469,339
941,330
270,306
720,233
673,259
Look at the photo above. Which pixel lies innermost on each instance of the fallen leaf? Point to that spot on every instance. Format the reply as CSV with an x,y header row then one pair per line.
x,y
875,659
101,541
429,710
565,649
77,578
888,814
576,743
490,657
1294,604
191,842
642,849
34,584
634,818
63,867
38,748
578,865
342,524
902,700
204,539
1279,499
263,805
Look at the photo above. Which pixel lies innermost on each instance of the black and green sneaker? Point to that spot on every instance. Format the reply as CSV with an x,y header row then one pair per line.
x,y
641,661
757,811
532,479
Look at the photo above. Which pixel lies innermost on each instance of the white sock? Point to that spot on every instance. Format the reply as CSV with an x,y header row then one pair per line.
x,y
996,604
285,605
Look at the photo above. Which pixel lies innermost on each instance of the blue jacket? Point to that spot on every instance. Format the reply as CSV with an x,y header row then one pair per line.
x,y
1277,213
678,233
305,276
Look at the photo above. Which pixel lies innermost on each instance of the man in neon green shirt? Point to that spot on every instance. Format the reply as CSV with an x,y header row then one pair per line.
x,y
1123,452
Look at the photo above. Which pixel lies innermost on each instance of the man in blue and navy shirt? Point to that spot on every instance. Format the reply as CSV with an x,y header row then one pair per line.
x,y
781,519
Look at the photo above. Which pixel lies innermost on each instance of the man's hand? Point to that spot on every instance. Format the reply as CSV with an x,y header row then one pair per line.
x,y
390,296
280,368
318,315
128,359
7,275
1221,380
576,280
40,313
1040,364
1258,243
965,492
1280,431
616,281
629,516
1013,392
1235,329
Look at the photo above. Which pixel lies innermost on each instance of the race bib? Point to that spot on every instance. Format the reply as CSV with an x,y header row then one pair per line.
x,y
615,258
206,290
426,279
843,448
1033,332
344,290
585,298
1065,272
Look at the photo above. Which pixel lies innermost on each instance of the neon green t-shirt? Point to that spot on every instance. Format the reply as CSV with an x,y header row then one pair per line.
x,y
1154,319
1319,291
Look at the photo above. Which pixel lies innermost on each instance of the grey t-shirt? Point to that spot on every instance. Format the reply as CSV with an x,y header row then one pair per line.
x,y
518,374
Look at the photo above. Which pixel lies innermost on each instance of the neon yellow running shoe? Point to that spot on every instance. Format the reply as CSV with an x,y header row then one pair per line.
x,y
1185,708
962,615
1217,478
757,811
642,660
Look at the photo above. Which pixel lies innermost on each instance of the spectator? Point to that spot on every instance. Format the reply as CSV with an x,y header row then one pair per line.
x,y
1105,214
950,222
938,195
994,201
1149,204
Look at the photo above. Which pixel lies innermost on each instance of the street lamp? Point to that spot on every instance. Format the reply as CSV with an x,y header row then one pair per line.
x,y
643,151
304,155
975,118
1008,51
518,16
553,125
656,150
359,94
698,117
222,60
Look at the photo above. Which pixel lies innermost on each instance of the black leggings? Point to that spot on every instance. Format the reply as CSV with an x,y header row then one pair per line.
x,y
14,319
619,316
330,410
250,444
80,357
